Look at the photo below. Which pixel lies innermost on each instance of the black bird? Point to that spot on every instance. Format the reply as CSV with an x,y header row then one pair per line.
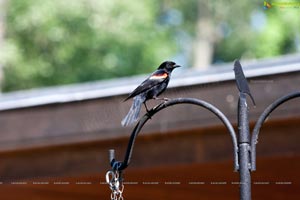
x,y
150,88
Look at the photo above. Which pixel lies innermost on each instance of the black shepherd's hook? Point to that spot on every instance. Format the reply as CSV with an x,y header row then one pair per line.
x,y
261,120
244,147
119,166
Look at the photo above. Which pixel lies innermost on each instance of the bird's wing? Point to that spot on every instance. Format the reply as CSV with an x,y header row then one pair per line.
x,y
155,78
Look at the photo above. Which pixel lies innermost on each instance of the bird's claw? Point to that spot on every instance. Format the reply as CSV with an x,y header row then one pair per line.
x,y
149,115
161,99
166,99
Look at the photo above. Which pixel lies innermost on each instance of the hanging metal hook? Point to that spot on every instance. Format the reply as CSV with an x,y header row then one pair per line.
x,y
122,165
261,120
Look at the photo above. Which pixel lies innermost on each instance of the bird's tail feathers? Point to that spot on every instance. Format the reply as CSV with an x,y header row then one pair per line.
x,y
134,111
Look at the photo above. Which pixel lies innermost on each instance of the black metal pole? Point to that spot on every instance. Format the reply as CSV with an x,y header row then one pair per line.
x,y
243,133
244,148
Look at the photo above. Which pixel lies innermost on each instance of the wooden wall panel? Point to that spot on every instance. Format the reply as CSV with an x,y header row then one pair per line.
x,y
178,148
276,179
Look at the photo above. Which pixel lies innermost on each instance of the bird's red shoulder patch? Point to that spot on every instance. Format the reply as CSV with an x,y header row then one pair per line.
x,y
159,76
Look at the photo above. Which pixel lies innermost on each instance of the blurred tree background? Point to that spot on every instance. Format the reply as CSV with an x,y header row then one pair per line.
x,y
54,42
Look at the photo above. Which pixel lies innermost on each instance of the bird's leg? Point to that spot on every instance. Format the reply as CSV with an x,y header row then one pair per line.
x,y
148,112
146,107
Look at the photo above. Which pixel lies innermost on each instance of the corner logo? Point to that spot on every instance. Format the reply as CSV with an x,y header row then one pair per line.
x,y
267,5
282,4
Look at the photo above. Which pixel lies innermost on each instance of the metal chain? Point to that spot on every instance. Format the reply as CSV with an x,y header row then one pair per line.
x,y
115,184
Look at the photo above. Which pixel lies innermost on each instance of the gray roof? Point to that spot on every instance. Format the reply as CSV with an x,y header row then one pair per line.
x,y
181,77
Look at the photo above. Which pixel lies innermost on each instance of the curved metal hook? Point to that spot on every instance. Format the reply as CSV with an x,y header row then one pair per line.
x,y
122,165
261,120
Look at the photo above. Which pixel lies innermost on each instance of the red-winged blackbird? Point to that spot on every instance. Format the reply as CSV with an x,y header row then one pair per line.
x,y
153,86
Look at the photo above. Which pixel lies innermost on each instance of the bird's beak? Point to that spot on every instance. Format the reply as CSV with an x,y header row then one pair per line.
x,y
175,66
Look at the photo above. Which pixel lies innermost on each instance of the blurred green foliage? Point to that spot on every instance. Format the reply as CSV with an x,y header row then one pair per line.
x,y
252,33
53,42
60,42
